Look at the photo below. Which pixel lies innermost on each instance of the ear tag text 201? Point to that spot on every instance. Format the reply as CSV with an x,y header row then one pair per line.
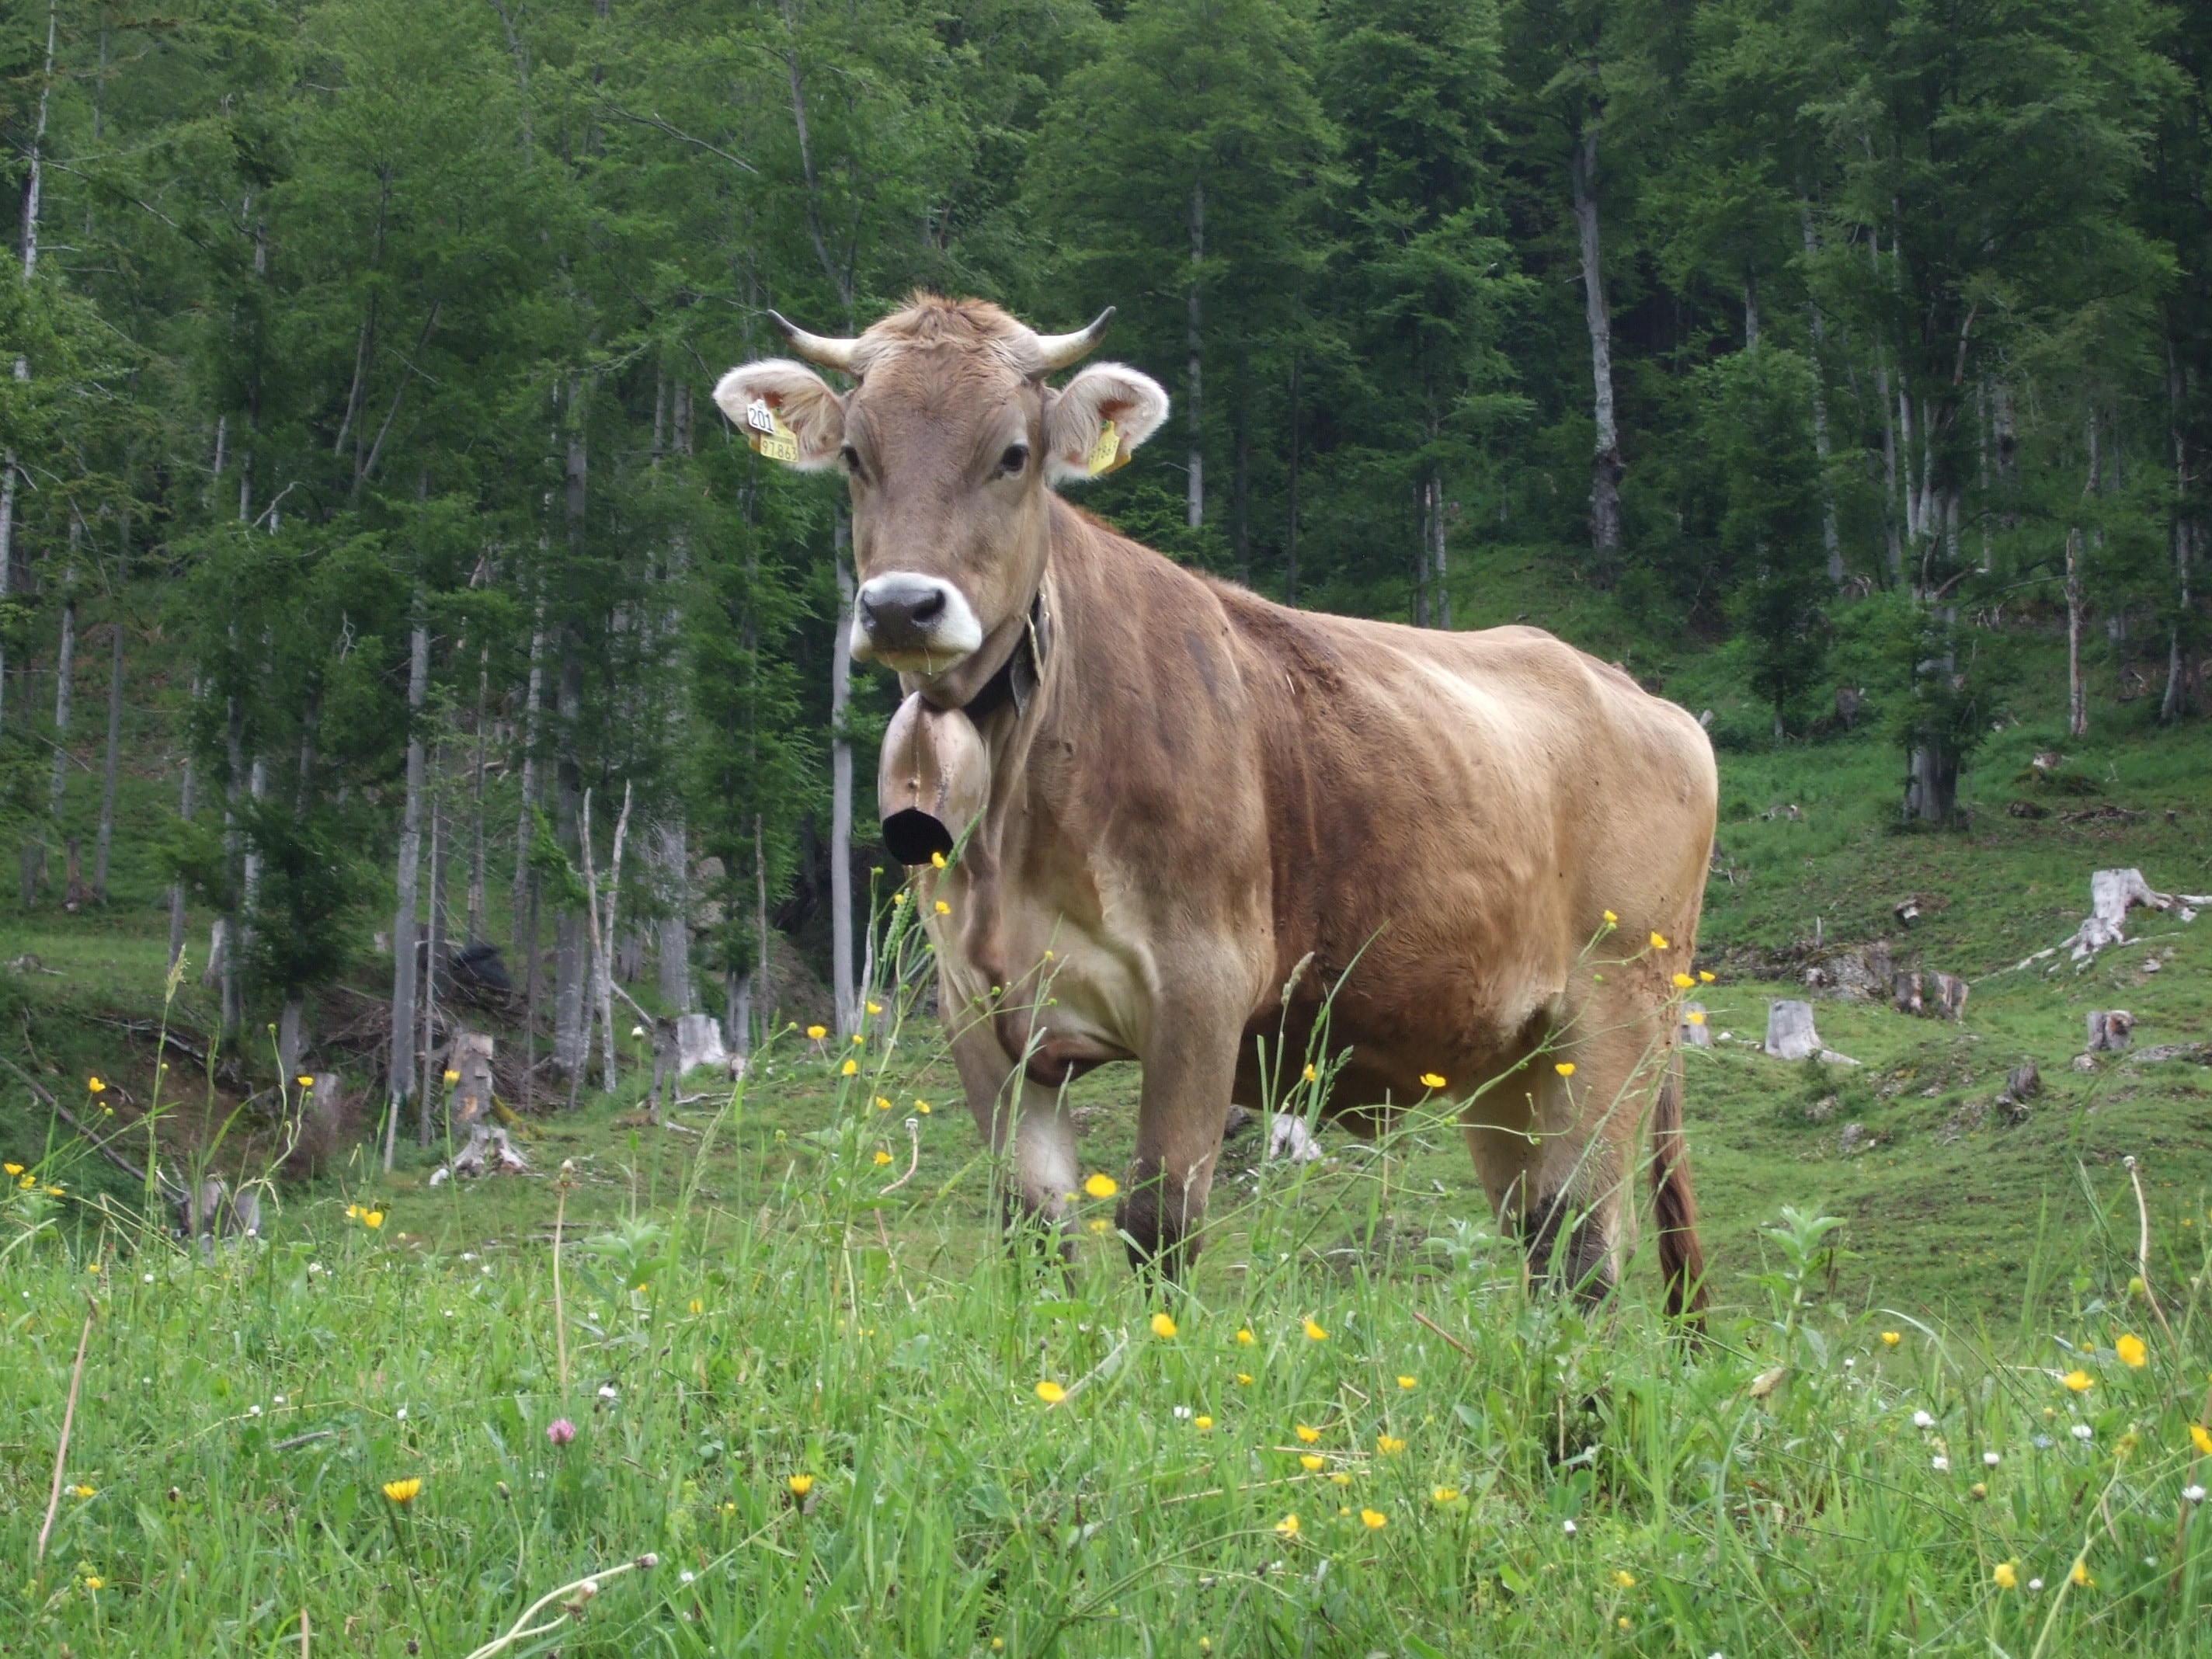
x,y
1107,455
769,435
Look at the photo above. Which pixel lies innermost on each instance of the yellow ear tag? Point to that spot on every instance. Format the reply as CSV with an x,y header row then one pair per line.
x,y
1107,455
766,432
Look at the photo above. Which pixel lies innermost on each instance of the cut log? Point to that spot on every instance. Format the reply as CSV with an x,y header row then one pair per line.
x,y
699,1043
1789,1033
2024,1082
1696,1033
2109,1030
1930,994
2113,894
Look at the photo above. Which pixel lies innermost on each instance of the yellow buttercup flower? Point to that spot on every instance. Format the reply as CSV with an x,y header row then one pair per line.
x,y
1658,941
1409,1382
850,1068
2080,1574
372,1218
1890,1338
1704,977
697,1306
1311,1463
1101,1226
801,1484
403,1491
882,1157
1288,1526
1312,1076
818,1032
1611,920
1388,1444
882,1104
898,900
1624,1579
875,1007
94,1582
93,1086
2006,1575
1683,981
1565,1068
12,1169
1163,1326
305,1082
1243,1379
453,1076
937,861
83,1491
1314,1334
1201,1423
1446,1494
1102,1185
2202,1437
1244,1337
1373,1520
2080,1382
1307,1434
943,908
1342,1480
1050,1392
1432,1080
2132,1352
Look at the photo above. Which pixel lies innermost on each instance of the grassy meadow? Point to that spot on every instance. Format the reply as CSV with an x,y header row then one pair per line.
x,y
783,1359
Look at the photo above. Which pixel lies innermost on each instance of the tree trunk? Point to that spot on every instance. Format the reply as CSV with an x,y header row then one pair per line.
x,y
106,839
34,192
1606,467
526,820
1438,530
64,700
1240,481
840,801
2185,538
434,955
1750,310
1830,540
570,1038
1290,525
184,805
234,788
476,915
2077,702
400,1068
675,928
1194,496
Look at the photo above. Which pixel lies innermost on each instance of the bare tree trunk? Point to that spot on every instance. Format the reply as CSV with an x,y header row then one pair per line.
x,y
603,928
1290,525
475,916
1239,477
675,930
1437,532
571,1031
34,192
1605,468
1750,310
64,699
1830,540
400,1068
184,805
434,954
106,839
525,818
840,801
1194,495
2184,536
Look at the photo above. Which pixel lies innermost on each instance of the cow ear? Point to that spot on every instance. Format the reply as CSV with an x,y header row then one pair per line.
x,y
1075,424
801,401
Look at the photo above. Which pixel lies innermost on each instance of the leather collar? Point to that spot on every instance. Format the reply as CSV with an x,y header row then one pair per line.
x,y
1016,682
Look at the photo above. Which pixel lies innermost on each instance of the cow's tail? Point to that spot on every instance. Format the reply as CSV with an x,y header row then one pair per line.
x,y
1681,1259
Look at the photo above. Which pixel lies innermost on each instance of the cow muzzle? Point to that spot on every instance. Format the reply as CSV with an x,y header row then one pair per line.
x,y
913,624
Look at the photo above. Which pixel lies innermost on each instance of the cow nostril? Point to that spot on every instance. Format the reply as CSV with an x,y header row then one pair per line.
x,y
930,608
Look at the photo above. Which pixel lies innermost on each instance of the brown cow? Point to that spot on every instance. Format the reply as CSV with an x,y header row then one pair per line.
x,y
1485,851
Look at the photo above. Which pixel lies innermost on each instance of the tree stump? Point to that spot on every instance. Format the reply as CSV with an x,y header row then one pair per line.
x,y
1789,1033
699,1043
469,1108
2109,1030
1696,1033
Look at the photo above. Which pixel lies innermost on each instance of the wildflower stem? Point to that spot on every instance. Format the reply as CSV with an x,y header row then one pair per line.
x,y
1442,1332
519,1632
69,1421
2142,1247
560,1313
2066,1584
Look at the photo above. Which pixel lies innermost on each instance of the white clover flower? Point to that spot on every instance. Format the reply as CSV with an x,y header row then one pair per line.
x,y
1942,1465
1567,1526
253,1411
278,1400
2035,1584
2083,1432
314,1266
1990,1460
1922,1420
1183,1411
686,1576
607,1391
149,1278
2193,1492
402,1414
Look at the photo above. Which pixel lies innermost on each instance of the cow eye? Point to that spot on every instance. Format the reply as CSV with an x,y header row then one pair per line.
x,y
851,456
1016,458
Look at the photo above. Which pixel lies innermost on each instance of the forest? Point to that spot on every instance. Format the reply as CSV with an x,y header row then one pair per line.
x,y
374,564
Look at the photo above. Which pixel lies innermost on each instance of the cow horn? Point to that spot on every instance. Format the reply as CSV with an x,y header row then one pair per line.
x,y
817,348
1059,350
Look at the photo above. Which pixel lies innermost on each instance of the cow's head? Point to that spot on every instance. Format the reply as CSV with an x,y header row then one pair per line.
x,y
949,437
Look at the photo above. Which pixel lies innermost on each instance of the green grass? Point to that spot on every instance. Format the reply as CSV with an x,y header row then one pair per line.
x,y
759,1308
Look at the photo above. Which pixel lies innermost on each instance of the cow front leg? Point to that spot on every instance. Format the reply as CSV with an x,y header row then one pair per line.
x,y
1188,1073
1030,1132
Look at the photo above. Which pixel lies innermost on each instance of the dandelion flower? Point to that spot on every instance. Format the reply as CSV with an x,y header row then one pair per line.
x,y
801,1484
1243,1379
1312,1462
818,1032
882,1157
1102,1185
2080,1382
1373,1520
560,1430
93,1086
2006,1576
83,1491
1624,1578
2132,1352
1445,1494
1163,1327
937,861
1307,1434
1314,1334
2080,1574
1683,981
1409,1382
1658,941
12,1169
1432,1080
1890,1338
372,1218
943,908
1288,1526
1202,1423
2202,1438
1050,1392
1388,1444
1565,1068
403,1491
1244,1337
